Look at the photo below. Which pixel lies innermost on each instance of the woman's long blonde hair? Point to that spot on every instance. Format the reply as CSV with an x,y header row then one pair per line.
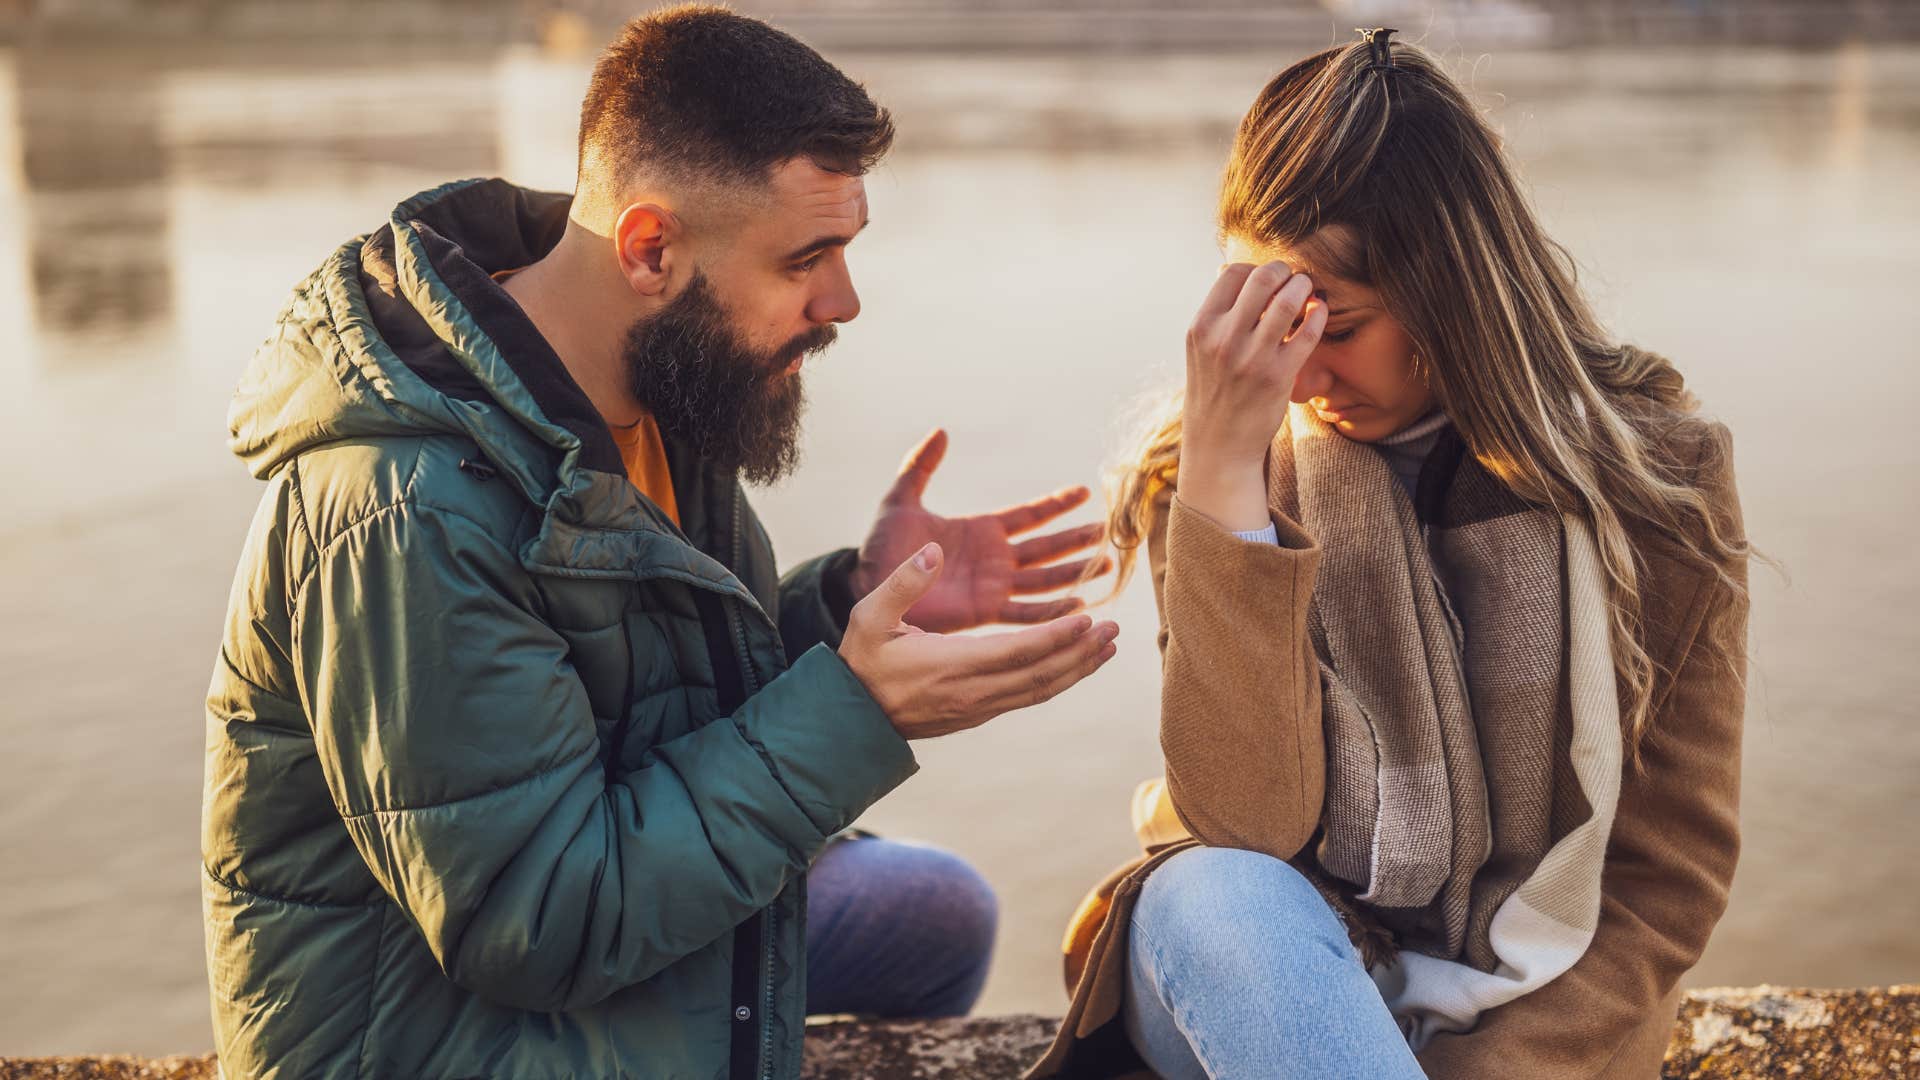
x,y
1543,399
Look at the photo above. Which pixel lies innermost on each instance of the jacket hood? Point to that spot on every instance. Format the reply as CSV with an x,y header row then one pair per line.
x,y
404,332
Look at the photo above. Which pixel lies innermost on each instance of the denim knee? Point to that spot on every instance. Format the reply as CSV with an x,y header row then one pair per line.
x,y
967,908
898,929
1225,906
946,918
918,882
1241,968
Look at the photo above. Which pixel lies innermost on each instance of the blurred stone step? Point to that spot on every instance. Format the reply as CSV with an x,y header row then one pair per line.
x,y
1762,1031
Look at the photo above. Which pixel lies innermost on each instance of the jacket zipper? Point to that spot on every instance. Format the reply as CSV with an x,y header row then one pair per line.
x,y
772,914
749,685
625,720
734,621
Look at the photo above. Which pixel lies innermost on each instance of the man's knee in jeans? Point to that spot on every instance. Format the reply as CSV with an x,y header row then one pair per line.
x,y
897,929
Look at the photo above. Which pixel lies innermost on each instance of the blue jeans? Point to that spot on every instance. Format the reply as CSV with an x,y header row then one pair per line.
x,y
1238,968
896,930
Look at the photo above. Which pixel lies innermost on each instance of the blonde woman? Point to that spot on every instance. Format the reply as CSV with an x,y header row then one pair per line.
x,y
1453,617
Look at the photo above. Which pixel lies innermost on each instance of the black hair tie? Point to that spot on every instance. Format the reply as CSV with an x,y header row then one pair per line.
x,y
1379,44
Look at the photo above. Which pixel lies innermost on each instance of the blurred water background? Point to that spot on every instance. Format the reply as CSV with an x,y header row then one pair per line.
x,y
1736,180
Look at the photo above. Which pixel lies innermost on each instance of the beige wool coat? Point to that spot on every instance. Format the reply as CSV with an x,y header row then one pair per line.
x,y
1240,727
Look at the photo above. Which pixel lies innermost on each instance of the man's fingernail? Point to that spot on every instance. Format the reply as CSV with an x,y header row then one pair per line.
x,y
924,559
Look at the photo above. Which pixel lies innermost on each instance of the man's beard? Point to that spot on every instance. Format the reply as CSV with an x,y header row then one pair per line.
x,y
734,406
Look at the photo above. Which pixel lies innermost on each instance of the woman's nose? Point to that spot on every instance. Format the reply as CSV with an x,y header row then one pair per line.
x,y
1313,380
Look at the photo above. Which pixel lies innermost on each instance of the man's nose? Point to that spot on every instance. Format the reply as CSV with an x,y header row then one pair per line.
x,y
837,303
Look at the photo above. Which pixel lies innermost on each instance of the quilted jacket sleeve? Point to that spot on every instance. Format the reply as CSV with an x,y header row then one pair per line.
x,y
461,750
815,600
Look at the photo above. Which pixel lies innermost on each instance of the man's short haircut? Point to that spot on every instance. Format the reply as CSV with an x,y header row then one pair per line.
x,y
698,93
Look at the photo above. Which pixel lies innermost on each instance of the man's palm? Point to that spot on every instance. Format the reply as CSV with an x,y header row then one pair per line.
x,y
985,567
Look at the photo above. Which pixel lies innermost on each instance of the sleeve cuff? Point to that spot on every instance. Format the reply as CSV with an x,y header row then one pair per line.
x,y
815,600
1281,532
1268,535
836,586
836,751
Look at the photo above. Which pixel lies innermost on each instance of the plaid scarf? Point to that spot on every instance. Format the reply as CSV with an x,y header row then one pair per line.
x,y
1460,758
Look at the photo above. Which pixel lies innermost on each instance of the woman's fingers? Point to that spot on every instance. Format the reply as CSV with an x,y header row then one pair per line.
x,y
1256,293
1045,549
1307,335
1281,310
1226,289
1048,578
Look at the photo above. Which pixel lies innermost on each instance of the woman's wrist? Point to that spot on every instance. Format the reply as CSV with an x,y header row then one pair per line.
x,y
1232,493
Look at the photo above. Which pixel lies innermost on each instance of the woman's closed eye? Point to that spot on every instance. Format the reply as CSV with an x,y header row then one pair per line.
x,y
1337,335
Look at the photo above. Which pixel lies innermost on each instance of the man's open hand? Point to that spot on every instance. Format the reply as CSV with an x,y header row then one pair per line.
x,y
984,568
935,684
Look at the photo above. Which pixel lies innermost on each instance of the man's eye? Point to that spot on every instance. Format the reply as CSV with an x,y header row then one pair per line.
x,y
808,265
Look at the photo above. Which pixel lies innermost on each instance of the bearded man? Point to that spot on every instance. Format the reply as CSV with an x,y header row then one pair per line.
x,y
520,757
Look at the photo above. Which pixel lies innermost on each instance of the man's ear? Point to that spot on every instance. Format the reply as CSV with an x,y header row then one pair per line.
x,y
644,235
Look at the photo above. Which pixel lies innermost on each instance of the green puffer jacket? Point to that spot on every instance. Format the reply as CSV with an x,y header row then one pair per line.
x,y
506,774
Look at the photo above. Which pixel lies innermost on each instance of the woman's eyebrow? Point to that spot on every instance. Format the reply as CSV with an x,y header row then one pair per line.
x,y
1321,295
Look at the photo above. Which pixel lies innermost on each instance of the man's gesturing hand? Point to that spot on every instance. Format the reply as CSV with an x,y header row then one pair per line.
x,y
933,684
987,568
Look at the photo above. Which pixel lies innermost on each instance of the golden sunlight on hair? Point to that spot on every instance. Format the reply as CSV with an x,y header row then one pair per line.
x,y
1401,170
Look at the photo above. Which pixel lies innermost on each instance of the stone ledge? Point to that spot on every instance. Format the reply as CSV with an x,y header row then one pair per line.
x,y
1760,1031
1771,1031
